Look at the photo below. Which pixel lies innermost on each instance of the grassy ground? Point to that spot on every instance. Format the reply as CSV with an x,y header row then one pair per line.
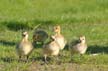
x,y
28,13
97,43
76,17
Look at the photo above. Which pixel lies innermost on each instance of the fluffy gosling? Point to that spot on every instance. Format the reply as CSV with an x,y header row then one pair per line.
x,y
39,36
24,48
79,46
59,37
51,48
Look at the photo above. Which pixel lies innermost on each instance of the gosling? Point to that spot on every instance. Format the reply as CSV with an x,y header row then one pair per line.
x,y
40,36
24,48
51,48
59,37
79,46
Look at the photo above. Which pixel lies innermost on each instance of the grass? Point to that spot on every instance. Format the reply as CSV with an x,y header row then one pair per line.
x,y
31,13
96,39
76,17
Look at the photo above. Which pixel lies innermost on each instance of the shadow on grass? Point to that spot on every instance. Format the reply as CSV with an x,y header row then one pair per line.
x,y
7,43
25,25
10,59
7,59
97,49
35,45
93,49
66,47
39,58
15,25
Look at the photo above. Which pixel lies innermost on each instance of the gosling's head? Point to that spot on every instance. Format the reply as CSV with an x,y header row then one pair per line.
x,y
57,29
25,34
82,39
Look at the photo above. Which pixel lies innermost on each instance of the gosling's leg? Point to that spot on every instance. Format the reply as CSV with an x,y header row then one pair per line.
x,y
27,57
19,59
45,58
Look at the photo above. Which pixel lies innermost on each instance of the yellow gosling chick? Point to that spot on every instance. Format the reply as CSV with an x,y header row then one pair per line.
x,y
24,48
50,49
79,47
59,37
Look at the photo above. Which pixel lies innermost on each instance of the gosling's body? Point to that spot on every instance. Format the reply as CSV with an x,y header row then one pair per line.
x,y
79,47
40,36
59,37
51,49
24,48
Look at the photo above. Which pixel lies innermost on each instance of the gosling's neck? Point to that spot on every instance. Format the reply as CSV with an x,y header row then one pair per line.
x,y
83,42
58,33
25,38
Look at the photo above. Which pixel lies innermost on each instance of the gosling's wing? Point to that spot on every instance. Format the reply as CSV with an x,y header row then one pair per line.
x,y
40,35
74,42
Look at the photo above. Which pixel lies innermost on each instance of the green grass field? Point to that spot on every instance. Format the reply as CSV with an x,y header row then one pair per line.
x,y
76,17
